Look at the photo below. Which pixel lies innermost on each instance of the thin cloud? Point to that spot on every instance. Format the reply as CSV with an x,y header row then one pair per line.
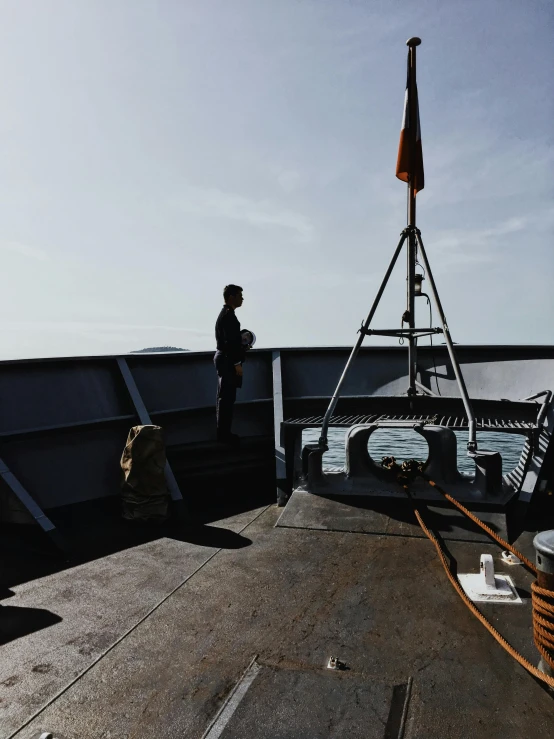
x,y
83,327
467,247
24,250
477,165
289,179
214,203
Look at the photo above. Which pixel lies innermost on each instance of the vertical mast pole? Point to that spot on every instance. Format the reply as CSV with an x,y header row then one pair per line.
x,y
412,243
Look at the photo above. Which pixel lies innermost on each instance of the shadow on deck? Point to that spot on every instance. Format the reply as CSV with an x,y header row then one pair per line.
x,y
94,529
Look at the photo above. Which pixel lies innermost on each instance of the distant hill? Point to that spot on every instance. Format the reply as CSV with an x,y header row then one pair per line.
x,y
159,349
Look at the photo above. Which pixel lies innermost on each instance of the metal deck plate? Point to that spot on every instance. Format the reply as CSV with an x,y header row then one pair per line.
x,y
366,515
381,604
316,704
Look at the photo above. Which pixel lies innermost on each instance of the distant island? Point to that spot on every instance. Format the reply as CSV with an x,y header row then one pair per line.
x,y
159,349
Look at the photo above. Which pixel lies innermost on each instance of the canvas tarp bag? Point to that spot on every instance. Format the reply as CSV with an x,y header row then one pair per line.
x,y
144,493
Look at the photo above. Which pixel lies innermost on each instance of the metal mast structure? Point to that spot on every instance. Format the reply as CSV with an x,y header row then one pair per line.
x,y
412,236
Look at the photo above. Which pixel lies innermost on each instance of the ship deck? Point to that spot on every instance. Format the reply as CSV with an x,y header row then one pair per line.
x,y
224,629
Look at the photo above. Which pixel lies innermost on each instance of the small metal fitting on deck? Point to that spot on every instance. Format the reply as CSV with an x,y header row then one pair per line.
x,y
509,558
335,664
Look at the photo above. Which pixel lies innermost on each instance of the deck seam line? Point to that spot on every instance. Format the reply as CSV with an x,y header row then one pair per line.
x,y
372,533
125,635
404,717
225,713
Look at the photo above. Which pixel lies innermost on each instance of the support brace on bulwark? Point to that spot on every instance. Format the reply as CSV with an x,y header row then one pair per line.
x,y
409,169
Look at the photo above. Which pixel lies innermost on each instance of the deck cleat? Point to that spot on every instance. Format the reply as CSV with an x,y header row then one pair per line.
x,y
488,587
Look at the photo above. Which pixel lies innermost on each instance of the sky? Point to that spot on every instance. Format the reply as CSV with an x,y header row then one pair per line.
x,y
152,152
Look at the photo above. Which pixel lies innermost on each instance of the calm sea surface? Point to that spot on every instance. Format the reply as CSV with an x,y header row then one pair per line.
x,y
407,444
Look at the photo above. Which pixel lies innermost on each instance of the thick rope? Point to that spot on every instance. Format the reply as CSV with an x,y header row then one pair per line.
x,y
526,562
543,628
542,598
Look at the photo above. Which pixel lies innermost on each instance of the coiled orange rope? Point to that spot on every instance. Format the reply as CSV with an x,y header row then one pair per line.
x,y
542,598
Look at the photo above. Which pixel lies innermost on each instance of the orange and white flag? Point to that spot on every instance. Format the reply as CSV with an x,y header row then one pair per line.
x,y
409,165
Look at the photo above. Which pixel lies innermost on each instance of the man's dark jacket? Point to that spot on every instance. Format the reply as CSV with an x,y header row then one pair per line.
x,y
228,337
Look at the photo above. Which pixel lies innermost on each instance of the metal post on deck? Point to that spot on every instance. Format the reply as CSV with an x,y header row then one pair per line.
x,y
278,418
412,43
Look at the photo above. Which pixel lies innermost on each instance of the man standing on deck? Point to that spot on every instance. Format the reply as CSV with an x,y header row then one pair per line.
x,y
228,362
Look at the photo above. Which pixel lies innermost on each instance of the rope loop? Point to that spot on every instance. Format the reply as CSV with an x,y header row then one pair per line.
x,y
543,622
542,598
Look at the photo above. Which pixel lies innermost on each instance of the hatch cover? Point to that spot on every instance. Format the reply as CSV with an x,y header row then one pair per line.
x,y
326,704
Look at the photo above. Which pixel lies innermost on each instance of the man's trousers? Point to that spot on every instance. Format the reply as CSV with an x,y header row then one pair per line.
x,y
226,394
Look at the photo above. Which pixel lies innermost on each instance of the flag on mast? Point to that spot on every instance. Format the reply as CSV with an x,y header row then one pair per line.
x,y
409,165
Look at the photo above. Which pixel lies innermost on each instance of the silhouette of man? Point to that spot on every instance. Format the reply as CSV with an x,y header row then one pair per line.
x,y
228,362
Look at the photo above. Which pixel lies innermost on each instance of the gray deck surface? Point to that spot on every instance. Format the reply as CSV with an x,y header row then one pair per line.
x,y
291,598
366,515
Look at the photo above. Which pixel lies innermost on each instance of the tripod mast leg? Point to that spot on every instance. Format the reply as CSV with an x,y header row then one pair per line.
x,y
412,341
472,440
336,394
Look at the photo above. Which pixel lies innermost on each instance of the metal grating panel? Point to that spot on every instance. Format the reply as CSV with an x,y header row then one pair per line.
x,y
483,424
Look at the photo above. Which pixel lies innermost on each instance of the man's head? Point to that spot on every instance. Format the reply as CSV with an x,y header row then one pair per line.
x,y
232,295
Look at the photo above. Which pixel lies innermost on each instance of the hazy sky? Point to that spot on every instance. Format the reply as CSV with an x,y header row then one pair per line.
x,y
151,152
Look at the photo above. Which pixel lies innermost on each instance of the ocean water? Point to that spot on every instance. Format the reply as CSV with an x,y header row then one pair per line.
x,y
408,444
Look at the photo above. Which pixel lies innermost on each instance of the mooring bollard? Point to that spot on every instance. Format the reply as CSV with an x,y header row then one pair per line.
x,y
544,548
